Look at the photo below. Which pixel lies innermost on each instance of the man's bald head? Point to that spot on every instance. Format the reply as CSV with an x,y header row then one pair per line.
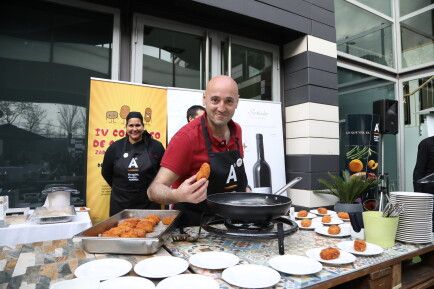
x,y
222,81
220,100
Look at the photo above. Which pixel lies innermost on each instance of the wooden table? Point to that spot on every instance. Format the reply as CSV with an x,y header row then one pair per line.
x,y
40,264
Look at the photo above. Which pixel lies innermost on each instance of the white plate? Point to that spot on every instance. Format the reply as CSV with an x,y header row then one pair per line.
x,y
371,249
329,212
103,269
295,265
309,216
161,267
251,276
324,231
82,283
188,281
344,257
313,225
214,260
334,221
129,282
412,195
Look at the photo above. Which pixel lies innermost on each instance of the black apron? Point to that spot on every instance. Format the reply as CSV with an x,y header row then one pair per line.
x,y
227,175
133,172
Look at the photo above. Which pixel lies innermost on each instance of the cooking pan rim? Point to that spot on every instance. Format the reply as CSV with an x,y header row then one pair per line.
x,y
289,201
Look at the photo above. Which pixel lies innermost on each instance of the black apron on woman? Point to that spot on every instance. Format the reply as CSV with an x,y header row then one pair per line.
x,y
133,172
227,175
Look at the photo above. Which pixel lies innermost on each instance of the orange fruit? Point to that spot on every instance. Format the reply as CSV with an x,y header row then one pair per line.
x,y
355,166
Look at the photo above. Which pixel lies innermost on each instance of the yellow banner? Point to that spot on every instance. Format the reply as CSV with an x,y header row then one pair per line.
x,y
109,104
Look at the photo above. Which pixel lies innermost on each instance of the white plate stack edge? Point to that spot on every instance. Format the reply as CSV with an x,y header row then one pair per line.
x,y
415,223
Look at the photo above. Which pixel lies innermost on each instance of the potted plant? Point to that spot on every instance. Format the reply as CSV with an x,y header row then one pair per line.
x,y
348,189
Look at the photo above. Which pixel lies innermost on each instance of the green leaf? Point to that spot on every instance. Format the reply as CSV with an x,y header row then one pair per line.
x,y
348,187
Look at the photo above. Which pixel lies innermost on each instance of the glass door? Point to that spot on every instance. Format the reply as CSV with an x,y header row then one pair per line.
x,y
417,99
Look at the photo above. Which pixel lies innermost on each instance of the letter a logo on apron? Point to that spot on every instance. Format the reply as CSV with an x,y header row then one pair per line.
x,y
133,164
232,175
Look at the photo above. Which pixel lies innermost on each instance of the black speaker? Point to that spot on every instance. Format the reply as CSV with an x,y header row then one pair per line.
x,y
387,109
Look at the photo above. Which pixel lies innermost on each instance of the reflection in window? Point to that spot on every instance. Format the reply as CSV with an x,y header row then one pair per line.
x,y
172,58
357,93
383,6
251,69
418,95
363,34
50,55
408,6
417,39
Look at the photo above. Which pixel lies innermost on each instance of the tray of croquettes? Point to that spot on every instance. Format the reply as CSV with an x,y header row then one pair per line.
x,y
130,232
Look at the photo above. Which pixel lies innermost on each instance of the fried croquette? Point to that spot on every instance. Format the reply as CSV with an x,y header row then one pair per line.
x,y
334,230
135,227
153,218
129,234
329,253
306,223
343,215
203,172
132,221
302,214
145,225
359,245
167,220
322,211
326,219
139,233
114,232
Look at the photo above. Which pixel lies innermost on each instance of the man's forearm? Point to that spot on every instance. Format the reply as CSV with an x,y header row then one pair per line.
x,y
162,194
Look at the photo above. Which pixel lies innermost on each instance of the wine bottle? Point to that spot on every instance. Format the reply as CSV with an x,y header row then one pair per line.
x,y
261,170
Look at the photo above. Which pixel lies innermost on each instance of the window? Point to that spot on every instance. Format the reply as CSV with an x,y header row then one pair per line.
x,y
252,70
172,58
357,92
169,53
383,6
49,52
363,34
406,6
417,39
418,95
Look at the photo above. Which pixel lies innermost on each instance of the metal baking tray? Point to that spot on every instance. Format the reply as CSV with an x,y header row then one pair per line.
x,y
151,243
43,215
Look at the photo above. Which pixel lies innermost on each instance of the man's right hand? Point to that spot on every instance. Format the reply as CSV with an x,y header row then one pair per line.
x,y
192,191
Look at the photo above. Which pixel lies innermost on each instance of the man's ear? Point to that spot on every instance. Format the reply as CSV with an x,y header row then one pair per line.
x,y
203,100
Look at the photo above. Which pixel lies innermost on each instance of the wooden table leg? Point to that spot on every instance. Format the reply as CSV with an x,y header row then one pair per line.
x,y
396,276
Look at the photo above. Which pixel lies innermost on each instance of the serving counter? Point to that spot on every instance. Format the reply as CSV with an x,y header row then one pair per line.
x,y
38,265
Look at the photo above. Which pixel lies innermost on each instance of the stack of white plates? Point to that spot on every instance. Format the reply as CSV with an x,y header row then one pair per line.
x,y
415,223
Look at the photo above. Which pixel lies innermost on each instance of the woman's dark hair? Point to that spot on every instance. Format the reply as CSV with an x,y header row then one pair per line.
x,y
135,114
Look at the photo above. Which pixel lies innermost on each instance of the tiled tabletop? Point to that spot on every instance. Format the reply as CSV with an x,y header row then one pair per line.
x,y
40,264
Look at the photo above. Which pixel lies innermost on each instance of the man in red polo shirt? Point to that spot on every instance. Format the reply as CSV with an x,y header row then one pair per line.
x,y
213,138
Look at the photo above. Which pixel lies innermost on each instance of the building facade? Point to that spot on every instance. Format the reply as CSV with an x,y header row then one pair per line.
x,y
322,59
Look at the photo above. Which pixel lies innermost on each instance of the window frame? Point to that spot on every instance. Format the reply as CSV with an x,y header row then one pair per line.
x,y
401,125
211,39
399,40
364,7
400,134
139,21
116,36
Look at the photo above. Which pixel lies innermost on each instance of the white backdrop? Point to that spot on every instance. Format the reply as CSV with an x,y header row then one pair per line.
x,y
254,116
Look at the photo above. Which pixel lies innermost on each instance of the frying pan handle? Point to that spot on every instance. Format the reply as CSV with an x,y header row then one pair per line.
x,y
288,185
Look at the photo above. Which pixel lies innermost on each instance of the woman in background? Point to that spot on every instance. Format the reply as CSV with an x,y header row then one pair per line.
x,y
129,166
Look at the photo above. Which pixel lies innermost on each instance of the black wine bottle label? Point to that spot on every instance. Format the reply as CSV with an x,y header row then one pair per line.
x,y
261,169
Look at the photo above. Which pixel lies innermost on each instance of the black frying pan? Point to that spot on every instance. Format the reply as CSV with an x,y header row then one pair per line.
x,y
251,207
248,207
